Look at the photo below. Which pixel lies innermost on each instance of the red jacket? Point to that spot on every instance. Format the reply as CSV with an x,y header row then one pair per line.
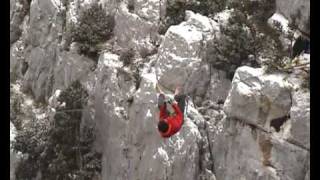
x,y
175,122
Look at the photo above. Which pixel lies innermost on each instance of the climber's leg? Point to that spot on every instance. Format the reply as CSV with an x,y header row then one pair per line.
x,y
181,99
161,99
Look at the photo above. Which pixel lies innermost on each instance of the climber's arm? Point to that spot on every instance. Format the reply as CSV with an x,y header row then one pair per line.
x,y
163,113
177,109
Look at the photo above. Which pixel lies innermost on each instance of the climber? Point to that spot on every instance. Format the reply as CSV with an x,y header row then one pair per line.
x,y
171,113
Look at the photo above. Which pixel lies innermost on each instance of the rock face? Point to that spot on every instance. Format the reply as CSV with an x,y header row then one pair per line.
x,y
253,127
128,131
265,158
258,99
178,61
296,11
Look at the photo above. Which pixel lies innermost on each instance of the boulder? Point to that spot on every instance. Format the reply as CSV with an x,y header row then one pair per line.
x,y
132,31
258,98
245,152
179,59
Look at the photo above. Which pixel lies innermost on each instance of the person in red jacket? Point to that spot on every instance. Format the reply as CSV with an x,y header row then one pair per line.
x,y
170,122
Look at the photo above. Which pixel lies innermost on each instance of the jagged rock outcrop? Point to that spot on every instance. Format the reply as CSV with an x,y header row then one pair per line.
x,y
258,99
179,57
128,135
265,159
131,30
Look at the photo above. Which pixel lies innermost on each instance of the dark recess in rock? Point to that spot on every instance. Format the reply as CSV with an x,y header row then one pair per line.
x,y
278,122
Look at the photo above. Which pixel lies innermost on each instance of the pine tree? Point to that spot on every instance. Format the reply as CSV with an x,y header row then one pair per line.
x,y
62,157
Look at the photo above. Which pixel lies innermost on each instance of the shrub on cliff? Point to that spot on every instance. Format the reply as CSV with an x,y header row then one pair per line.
x,y
60,150
93,27
175,11
234,45
246,39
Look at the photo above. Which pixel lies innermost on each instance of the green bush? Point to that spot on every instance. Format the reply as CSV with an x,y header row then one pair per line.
x,y
30,140
94,26
206,7
175,11
233,47
26,168
260,10
247,37
61,150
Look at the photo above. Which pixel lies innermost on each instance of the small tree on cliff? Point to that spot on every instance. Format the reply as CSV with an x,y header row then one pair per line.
x,y
246,39
94,27
69,152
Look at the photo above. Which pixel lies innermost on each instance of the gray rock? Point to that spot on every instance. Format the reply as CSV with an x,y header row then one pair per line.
x,y
131,30
45,23
180,52
233,159
17,57
37,78
298,130
298,8
197,84
286,33
49,69
219,86
149,10
133,143
70,67
283,154
307,177
258,98
267,158
300,118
